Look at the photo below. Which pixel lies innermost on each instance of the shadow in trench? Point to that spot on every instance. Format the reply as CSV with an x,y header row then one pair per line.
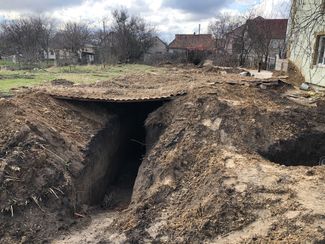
x,y
114,155
307,150
131,152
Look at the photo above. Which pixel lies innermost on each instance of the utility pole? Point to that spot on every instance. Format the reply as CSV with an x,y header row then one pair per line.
x,y
199,29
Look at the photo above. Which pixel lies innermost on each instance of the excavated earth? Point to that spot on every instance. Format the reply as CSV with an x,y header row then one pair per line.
x,y
234,160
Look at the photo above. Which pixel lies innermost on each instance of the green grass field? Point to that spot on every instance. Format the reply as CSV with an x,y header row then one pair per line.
x,y
77,74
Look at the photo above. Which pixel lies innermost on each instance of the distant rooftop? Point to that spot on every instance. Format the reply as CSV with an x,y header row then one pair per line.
x,y
193,42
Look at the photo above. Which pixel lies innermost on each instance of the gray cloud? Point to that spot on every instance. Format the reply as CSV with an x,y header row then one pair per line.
x,y
36,5
197,7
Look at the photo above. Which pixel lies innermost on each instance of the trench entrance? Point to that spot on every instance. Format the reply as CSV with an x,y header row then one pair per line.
x,y
116,155
131,152
306,150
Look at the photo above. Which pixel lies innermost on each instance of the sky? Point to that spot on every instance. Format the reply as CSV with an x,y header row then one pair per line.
x,y
168,16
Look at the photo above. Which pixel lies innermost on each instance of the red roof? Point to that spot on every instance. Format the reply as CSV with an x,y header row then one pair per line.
x,y
274,28
193,42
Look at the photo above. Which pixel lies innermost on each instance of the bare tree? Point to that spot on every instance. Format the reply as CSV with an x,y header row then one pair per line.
x,y
260,34
233,40
223,24
27,38
104,40
132,34
71,40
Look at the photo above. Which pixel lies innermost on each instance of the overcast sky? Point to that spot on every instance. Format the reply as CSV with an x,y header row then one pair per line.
x,y
169,16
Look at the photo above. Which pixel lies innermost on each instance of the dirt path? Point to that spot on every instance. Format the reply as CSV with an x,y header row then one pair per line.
x,y
92,233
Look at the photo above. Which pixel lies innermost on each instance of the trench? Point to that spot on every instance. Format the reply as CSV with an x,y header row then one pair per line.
x,y
115,155
305,150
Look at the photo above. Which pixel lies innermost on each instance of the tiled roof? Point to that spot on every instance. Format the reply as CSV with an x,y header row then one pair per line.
x,y
193,42
275,28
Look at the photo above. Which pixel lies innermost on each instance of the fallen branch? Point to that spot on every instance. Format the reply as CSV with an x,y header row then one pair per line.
x,y
59,190
53,192
36,202
79,215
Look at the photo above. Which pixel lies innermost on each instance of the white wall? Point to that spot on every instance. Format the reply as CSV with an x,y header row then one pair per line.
x,y
303,40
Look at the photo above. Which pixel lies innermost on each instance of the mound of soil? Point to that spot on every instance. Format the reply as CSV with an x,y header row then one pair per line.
x,y
295,76
42,148
61,82
206,179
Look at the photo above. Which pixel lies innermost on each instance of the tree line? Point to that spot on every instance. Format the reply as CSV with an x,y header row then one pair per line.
x,y
31,39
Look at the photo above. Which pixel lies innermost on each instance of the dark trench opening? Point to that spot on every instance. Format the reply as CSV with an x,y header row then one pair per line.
x,y
116,153
130,153
305,150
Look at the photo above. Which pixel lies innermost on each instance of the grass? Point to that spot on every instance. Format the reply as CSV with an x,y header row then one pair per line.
x,y
77,74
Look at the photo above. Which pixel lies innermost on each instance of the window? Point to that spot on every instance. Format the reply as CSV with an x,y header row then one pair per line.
x,y
321,51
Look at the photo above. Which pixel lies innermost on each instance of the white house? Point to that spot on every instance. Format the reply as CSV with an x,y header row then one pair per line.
x,y
306,34
86,55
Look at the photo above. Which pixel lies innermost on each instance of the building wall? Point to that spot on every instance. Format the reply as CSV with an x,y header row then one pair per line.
x,y
281,64
50,55
302,40
158,47
276,47
177,51
158,50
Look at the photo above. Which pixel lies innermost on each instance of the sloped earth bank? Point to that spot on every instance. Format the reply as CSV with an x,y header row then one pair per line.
x,y
226,164
208,179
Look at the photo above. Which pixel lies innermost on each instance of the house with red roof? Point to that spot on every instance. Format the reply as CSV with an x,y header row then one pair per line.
x,y
259,40
192,42
193,47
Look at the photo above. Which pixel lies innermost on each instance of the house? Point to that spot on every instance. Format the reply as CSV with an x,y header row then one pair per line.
x,y
184,43
306,36
50,55
157,51
85,55
258,40
192,48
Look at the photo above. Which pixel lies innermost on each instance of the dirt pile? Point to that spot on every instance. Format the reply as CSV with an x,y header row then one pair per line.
x,y
214,170
207,180
42,147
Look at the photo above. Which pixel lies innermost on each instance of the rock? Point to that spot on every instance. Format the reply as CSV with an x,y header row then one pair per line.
x,y
223,73
207,63
245,74
213,125
304,87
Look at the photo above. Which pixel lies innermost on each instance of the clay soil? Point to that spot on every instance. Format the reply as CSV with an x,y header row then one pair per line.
x,y
236,160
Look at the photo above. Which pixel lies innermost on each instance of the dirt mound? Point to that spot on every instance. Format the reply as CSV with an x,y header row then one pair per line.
x,y
205,179
220,70
41,148
61,82
295,76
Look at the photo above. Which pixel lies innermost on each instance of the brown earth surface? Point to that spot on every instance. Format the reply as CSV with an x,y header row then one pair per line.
x,y
235,160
